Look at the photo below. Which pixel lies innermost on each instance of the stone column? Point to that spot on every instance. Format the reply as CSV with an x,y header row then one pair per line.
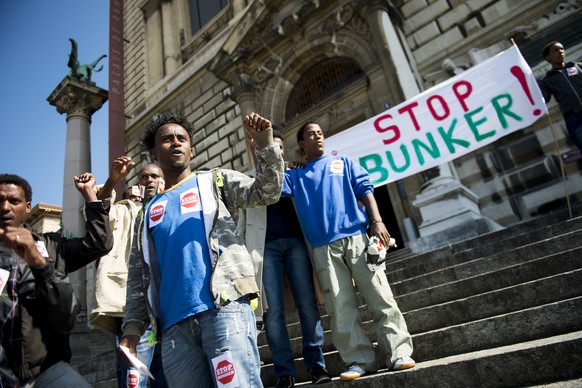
x,y
79,100
154,49
392,55
171,53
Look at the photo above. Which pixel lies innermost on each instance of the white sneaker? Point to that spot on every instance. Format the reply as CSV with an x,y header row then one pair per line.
x,y
405,362
353,372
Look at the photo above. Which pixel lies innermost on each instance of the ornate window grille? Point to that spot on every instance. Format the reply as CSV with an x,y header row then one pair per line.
x,y
320,82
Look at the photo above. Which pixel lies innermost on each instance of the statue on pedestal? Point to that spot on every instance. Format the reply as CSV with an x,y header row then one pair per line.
x,y
82,72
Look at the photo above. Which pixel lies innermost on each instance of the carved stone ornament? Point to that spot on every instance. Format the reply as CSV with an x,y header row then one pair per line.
x,y
347,17
561,11
73,96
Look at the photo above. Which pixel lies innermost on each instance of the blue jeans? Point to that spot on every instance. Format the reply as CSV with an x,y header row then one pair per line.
x,y
189,346
290,255
574,126
59,375
149,355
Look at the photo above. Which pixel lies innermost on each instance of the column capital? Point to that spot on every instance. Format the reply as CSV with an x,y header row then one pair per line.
x,y
373,5
73,96
383,5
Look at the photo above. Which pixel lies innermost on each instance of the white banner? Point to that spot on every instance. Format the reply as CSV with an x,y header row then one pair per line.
x,y
451,119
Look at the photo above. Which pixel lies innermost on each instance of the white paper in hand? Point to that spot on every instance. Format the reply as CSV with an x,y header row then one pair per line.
x,y
137,364
4,275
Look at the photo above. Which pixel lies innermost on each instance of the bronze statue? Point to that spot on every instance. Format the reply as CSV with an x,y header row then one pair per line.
x,y
82,72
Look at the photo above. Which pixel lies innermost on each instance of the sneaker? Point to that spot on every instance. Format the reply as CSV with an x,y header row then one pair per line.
x,y
285,382
405,362
319,375
354,371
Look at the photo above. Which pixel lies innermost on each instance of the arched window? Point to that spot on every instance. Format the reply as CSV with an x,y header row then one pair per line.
x,y
321,81
201,11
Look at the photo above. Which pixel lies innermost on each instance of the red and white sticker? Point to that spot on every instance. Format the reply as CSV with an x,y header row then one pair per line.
x,y
41,248
336,167
224,371
190,201
156,213
572,70
132,378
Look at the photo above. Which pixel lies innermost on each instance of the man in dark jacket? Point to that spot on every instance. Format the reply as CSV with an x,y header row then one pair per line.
x,y
564,82
38,308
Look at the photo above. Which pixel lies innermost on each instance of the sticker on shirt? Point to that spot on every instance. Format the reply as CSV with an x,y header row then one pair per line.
x,y
572,71
337,167
4,274
224,371
157,211
190,201
41,248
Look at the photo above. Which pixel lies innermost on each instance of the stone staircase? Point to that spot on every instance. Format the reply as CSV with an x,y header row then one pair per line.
x,y
93,355
501,309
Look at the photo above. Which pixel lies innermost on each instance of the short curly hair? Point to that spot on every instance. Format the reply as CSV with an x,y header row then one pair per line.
x,y
149,139
547,47
12,179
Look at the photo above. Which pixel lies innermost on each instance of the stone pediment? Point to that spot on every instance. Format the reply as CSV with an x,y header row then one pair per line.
x,y
250,41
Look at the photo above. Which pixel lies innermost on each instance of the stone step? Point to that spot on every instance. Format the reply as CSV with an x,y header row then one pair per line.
x,y
462,318
497,302
452,292
100,367
496,237
109,383
554,319
523,272
574,383
482,247
556,361
525,325
489,263
99,364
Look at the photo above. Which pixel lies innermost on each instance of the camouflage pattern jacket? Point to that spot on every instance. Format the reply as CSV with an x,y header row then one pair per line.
x,y
222,193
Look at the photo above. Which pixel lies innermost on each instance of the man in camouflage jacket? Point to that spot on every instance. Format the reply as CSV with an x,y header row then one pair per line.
x,y
190,274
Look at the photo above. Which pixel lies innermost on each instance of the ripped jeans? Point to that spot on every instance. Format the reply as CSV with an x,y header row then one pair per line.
x,y
189,346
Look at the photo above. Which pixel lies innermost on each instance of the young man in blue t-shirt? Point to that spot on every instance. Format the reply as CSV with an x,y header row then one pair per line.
x,y
328,192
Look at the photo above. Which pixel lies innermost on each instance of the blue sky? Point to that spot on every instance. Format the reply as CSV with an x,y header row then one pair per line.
x,y
34,42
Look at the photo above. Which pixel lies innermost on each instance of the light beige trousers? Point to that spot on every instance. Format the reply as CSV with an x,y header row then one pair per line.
x,y
337,263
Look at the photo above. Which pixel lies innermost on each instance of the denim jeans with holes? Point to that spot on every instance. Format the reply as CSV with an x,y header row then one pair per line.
x,y
189,346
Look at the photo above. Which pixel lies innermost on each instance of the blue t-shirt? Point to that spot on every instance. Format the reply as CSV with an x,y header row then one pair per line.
x,y
326,193
176,225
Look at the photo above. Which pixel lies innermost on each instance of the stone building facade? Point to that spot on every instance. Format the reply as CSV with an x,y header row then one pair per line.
x,y
340,62
44,218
